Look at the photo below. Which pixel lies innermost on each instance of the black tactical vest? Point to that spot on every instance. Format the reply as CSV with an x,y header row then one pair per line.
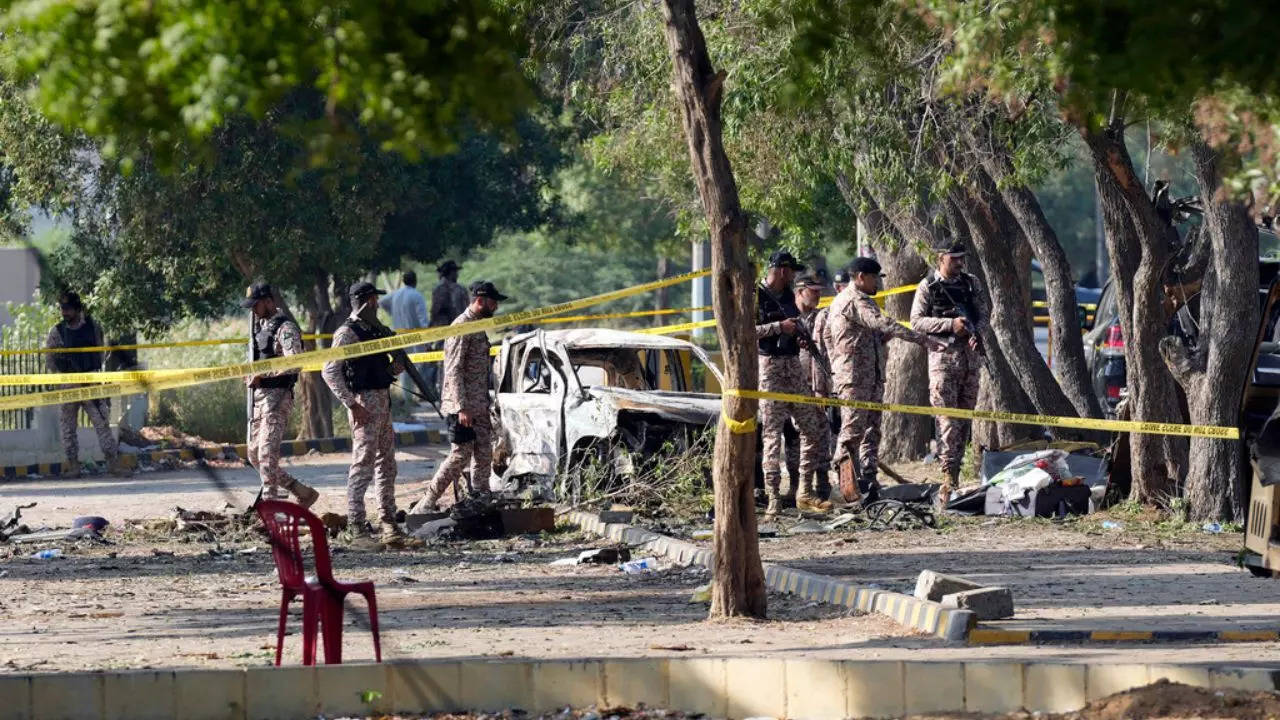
x,y
368,372
84,336
264,348
948,297
771,309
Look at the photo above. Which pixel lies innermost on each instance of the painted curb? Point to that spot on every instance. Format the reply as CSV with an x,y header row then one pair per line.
x,y
982,635
923,615
289,448
730,687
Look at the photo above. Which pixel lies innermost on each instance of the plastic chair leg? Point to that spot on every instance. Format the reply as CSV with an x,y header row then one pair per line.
x,y
310,620
285,597
331,628
373,626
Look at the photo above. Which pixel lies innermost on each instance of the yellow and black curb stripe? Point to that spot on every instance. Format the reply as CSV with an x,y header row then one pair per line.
x,y
288,448
982,635
923,615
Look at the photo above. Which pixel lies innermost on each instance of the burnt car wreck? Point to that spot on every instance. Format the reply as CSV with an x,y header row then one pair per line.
x,y
569,398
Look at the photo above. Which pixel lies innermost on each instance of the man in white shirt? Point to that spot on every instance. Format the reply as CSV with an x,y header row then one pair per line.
x,y
408,312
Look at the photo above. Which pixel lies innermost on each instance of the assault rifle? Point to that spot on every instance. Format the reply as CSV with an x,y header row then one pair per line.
x,y
425,389
967,318
803,335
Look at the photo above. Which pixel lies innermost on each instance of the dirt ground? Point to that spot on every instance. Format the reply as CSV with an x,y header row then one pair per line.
x,y
133,604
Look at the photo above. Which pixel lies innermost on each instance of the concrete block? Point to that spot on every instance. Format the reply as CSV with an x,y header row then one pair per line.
x,y
816,689
15,698
1185,674
1104,680
992,603
572,683
933,687
1053,688
875,689
140,695
932,585
210,694
644,681
69,697
343,689
425,687
280,693
699,685
757,688
992,687
1244,679
485,685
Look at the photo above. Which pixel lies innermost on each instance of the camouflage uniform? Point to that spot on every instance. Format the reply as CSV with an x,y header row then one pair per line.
x,y
819,381
954,371
271,408
373,443
466,387
858,332
781,371
96,410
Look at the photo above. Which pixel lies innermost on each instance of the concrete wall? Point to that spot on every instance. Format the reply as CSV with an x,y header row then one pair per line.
x,y
719,687
19,277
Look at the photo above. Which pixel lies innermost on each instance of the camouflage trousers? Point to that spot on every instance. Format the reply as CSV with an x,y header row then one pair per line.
x,y
373,458
953,383
478,454
784,374
860,429
97,412
271,408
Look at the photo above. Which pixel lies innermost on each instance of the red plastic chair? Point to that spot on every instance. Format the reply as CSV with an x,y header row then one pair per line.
x,y
322,596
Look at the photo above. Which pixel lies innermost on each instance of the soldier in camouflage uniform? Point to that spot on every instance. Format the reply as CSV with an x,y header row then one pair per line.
x,y
276,336
448,301
361,384
949,305
808,293
465,401
77,329
858,333
780,371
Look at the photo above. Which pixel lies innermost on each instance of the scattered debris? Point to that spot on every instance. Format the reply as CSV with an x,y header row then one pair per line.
x,y
11,524
1112,525
701,594
519,521
435,530
617,514
988,603
931,585
1213,528
767,531
675,648
807,526
604,556
50,554
636,567
97,524
705,534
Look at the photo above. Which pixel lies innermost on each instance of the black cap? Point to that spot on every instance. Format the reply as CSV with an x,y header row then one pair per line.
x,y
841,277
447,266
866,265
363,288
810,280
784,259
256,292
956,248
486,289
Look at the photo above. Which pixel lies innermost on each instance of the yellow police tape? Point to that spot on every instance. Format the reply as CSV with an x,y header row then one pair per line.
x,y
1209,431
344,352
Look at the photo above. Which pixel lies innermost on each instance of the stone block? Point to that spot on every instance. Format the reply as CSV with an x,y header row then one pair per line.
x,y
932,585
571,683
280,693
140,695
1185,674
357,689
874,689
756,687
210,694
425,687
15,697
993,687
816,689
933,687
1105,680
992,603
1244,679
642,681
698,685
495,686
68,697
1053,688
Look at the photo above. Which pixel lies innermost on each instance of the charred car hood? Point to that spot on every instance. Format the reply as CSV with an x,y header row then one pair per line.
x,y
686,407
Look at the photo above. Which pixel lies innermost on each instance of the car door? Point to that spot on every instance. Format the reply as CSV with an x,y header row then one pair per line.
x,y
531,400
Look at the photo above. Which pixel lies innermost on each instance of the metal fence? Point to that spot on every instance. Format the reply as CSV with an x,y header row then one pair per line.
x,y
20,364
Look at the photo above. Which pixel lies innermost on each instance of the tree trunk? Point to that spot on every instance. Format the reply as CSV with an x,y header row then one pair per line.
x,y
1213,372
317,401
737,586
1060,292
1138,249
905,437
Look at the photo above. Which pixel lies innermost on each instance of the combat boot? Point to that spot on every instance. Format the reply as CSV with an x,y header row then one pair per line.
x,y
428,504
394,538
949,477
774,506
360,533
304,494
807,499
